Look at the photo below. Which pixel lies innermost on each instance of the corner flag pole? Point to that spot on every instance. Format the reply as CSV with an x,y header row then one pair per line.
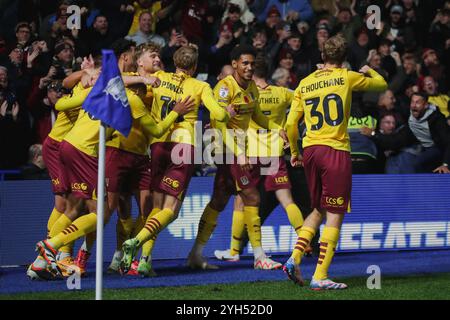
x,y
100,212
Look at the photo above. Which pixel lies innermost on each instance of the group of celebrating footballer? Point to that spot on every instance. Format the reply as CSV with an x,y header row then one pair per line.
x,y
164,108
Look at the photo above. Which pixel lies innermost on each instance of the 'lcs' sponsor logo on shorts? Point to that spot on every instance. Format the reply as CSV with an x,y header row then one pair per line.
x,y
55,182
79,186
280,180
244,181
334,201
174,184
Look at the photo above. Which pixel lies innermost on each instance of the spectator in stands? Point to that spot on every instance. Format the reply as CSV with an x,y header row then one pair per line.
x,y
19,78
395,30
281,77
347,23
273,19
322,35
432,67
220,52
291,10
23,36
388,159
224,72
14,124
374,61
63,60
177,40
287,62
300,55
364,152
35,169
101,35
144,33
193,16
405,80
41,104
387,103
238,10
359,49
388,124
233,20
439,35
427,127
139,7
388,63
442,101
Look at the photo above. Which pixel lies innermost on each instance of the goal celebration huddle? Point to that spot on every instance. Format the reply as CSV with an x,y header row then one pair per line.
x,y
256,124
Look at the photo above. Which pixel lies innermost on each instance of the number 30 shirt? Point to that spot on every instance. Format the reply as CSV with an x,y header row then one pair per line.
x,y
176,86
325,98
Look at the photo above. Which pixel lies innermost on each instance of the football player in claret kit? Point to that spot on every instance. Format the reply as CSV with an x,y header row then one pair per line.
x,y
79,151
274,102
172,155
241,177
127,161
58,220
324,99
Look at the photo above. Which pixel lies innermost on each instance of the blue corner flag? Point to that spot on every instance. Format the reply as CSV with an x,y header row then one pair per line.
x,y
108,100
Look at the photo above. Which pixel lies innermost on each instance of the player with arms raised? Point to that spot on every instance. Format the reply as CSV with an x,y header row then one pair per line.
x,y
324,99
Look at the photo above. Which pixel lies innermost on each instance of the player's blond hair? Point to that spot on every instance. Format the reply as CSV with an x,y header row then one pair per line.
x,y
146,47
186,57
335,50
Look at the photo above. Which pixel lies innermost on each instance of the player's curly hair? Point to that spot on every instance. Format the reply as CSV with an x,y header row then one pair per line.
x,y
335,50
186,57
146,47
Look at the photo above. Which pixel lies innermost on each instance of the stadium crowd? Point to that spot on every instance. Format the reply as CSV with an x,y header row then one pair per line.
x,y
409,47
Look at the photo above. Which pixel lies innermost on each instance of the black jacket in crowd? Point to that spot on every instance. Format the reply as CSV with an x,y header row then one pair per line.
x,y
440,134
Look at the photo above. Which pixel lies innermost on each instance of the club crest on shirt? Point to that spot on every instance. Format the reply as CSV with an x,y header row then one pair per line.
x,y
116,89
244,181
223,92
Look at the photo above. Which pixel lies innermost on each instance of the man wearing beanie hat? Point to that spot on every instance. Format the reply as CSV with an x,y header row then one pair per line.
x,y
62,60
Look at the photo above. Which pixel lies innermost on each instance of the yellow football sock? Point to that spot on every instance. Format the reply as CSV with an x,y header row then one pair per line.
x,y
67,248
206,225
59,225
295,217
253,223
237,230
147,247
155,224
138,225
54,216
124,228
328,242
80,227
304,238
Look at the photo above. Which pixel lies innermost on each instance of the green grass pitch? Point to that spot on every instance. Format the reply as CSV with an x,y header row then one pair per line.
x,y
421,287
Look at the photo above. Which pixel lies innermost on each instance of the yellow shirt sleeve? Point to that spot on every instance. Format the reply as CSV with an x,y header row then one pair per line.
x,y
72,101
137,106
223,93
261,120
217,112
294,117
228,139
359,82
157,130
289,96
